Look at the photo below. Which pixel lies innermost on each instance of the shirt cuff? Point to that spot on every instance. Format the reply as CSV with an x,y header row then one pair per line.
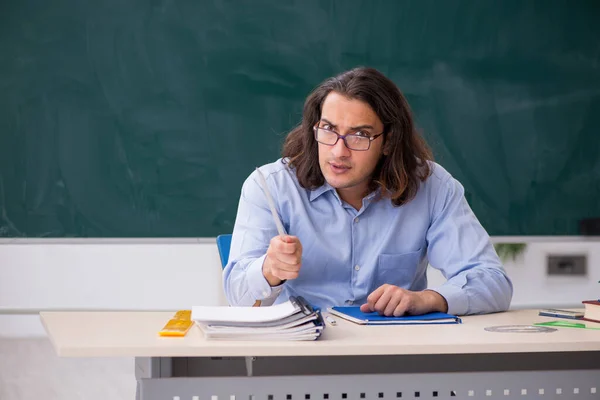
x,y
458,303
259,286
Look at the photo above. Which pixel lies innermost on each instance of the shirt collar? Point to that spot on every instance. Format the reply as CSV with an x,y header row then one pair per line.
x,y
326,187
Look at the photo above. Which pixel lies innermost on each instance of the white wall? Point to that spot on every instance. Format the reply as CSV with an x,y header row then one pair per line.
x,y
104,274
176,274
533,288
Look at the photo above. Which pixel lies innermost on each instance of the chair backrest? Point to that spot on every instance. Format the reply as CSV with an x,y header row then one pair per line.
x,y
223,244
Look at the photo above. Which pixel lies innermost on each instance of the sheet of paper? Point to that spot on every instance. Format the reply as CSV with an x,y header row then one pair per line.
x,y
243,314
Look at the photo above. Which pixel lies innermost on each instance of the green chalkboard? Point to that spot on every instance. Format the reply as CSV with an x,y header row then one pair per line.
x,y
133,118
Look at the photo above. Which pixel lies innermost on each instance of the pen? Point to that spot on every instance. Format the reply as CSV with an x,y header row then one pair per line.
x,y
330,320
263,183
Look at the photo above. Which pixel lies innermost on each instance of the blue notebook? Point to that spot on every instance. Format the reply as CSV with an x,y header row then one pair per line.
x,y
354,314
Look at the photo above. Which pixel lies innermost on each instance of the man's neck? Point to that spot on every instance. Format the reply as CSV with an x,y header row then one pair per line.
x,y
353,196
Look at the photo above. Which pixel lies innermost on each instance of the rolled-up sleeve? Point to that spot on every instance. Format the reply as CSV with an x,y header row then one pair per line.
x,y
243,280
459,246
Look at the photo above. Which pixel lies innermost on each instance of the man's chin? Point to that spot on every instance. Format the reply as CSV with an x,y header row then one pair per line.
x,y
338,183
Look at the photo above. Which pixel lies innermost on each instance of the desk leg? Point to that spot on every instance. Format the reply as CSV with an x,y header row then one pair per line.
x,y
149,368
249,364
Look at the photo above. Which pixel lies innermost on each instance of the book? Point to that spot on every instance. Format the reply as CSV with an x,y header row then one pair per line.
x,y
353,313
592,310
294,319
556,313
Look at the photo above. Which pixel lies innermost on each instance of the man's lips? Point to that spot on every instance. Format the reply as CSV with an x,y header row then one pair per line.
x,y
339,166
338,169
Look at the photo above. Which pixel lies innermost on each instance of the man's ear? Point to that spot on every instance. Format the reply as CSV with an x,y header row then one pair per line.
x,y
386,149
386,146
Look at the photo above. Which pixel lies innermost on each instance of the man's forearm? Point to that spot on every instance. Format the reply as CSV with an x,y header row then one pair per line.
x,y
245,283
435,301
477,291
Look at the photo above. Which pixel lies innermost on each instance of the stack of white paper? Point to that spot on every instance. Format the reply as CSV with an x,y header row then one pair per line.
x,y
292,320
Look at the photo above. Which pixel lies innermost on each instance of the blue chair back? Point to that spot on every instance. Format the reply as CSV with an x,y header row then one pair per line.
x,y
223,244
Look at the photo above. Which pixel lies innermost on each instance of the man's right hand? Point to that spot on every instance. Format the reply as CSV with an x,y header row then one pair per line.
x,y
283,261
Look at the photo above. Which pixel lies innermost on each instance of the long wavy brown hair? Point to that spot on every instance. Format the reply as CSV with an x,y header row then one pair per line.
x,y
404,163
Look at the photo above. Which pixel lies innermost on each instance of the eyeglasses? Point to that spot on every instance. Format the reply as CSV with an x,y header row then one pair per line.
x,y
351,140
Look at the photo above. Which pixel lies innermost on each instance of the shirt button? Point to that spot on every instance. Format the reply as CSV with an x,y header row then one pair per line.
x,y
265,294
356,220
357,267
349,302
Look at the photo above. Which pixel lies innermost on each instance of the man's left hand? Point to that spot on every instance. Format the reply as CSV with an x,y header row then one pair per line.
x,y
392,300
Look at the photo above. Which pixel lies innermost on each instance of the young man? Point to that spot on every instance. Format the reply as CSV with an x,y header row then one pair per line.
x,y
365,210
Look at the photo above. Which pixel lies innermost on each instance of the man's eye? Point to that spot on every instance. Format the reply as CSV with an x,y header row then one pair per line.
x,y
362,134
328,127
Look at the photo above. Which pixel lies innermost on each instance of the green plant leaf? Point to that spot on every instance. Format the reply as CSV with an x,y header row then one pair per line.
x,y
509,250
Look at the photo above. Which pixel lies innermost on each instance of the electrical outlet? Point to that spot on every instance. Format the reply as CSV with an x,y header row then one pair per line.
x,y
567,265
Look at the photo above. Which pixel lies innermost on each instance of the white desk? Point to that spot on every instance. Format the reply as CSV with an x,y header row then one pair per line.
x,y
348,362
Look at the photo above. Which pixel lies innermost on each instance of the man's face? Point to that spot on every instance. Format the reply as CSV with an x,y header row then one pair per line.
x,y
349,171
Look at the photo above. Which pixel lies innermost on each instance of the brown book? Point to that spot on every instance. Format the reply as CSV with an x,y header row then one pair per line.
x,y
592,310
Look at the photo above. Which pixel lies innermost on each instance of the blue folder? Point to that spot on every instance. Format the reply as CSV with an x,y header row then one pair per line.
x,y
354,314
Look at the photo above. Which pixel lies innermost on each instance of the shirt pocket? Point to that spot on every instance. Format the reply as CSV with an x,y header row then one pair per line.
x,y
397,269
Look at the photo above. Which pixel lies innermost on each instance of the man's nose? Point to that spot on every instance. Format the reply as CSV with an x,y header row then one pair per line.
x,y
340,149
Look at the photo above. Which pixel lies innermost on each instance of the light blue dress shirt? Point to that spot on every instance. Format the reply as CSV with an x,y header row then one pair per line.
x,y
347,254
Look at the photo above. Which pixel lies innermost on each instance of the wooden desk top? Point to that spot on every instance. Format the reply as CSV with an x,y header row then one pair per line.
x,y
135,334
